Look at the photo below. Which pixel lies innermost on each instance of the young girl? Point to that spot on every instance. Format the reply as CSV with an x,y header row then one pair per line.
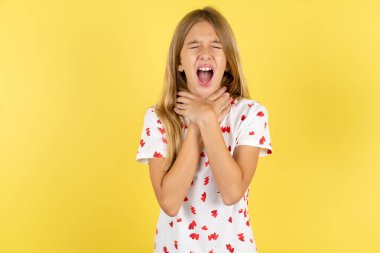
x,y
202,141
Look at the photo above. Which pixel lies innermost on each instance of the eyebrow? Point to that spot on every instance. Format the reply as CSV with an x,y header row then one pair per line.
x,y
197,41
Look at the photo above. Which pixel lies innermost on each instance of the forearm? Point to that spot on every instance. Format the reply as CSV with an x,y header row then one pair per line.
x,y
227,173
177,181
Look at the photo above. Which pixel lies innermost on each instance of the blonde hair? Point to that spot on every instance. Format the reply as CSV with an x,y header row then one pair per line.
x,y
174,80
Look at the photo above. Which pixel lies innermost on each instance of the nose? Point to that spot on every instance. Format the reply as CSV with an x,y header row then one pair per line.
x,y
205,53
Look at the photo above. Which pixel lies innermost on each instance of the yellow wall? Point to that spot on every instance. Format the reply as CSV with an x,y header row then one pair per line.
x,y
76,77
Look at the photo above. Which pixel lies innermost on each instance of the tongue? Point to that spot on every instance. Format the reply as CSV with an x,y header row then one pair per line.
x,y
204,76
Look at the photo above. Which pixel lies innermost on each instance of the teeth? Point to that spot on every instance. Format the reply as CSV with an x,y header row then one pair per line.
x,y
204,68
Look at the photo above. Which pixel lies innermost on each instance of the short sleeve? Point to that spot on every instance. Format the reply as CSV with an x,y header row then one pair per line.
x,y
254,130
153,142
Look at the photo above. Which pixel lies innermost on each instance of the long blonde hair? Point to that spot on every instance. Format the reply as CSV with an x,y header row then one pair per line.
x,y
174,80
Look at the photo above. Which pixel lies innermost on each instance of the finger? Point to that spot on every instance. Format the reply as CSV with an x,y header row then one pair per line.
x,y
184,100
222,99
180,106
229,100
217,93
226,109
224,102
223,113
186,94
178,111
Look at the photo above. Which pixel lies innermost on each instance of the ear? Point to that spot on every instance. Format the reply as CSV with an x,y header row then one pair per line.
x,y
180,68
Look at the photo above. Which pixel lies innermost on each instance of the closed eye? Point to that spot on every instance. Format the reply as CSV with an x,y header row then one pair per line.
x,y
213,47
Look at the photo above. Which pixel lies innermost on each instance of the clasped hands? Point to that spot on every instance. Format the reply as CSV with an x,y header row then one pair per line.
x,y
199,109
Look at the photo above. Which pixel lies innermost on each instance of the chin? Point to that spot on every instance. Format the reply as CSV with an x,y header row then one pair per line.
x,y
204,91
205,95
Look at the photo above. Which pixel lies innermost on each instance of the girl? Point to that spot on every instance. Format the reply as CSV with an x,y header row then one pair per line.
x,y
202,141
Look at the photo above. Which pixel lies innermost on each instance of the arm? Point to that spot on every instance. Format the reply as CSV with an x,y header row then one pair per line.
x,y
171,187
232,177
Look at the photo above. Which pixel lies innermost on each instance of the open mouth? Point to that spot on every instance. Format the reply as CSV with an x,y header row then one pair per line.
x,y
205,75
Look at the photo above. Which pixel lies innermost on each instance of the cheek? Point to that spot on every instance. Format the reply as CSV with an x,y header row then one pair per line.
x,y
186,55
222,61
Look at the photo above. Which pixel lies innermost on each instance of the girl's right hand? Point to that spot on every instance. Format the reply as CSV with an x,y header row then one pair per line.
x,y
221,102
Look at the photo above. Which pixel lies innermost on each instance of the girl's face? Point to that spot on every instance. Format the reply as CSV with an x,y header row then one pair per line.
x,y
202,49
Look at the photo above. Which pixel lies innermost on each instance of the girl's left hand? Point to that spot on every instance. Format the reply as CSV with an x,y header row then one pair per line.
x,y
193,106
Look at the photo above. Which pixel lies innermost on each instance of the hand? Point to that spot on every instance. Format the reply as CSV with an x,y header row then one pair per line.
x,y
221,102
193,106
197,108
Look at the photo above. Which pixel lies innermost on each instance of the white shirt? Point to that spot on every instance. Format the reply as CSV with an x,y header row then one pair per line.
x,y
204,223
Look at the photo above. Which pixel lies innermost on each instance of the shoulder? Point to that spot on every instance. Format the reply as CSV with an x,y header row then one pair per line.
x,y
152,122
151,118
151,109
150,112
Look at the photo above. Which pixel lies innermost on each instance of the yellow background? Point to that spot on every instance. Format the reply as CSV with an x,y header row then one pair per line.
x,y
77,76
